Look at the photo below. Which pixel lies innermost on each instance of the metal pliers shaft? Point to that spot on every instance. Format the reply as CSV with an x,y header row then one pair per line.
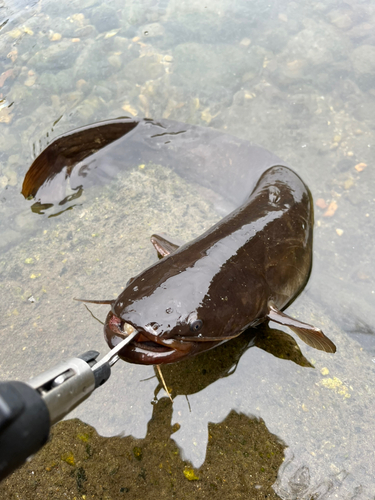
x,y
67,384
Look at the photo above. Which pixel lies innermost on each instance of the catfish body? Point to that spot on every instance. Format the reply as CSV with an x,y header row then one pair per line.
x,y
242,271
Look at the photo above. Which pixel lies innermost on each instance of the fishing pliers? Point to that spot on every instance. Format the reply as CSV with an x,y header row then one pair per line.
x,y
27,410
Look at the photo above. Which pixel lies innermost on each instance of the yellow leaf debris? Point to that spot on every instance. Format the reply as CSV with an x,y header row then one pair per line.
x,y
360,166
129,109
190,474
332,207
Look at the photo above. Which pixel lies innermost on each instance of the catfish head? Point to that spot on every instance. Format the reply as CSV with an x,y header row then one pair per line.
x,y
180,306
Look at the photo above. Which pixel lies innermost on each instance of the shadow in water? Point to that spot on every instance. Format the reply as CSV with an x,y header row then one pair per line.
x,y
193,375
242,461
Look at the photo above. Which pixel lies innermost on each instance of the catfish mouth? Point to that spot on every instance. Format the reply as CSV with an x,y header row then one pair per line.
x,y
146,348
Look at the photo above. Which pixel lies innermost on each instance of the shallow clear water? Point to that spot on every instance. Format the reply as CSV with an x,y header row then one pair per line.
x,y
295,78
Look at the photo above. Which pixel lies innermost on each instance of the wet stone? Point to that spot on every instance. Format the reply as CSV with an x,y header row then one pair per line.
x,y
105,18
365,112
344,164
115,61
57,56
65,27
362,32
84,4
98,51
340,19
152,30
355,196
135,14
88,31
55,9
103,92
145,68
203,28
7,141
363,61
56,83
121,43
317,45
8,236
88,109
201,65
274,39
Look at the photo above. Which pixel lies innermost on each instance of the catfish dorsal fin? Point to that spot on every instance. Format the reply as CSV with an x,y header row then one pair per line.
x,y
163,246
110,302
311,335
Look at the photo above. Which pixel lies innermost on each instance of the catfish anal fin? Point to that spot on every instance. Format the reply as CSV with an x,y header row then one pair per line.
x,y
311,335
163,246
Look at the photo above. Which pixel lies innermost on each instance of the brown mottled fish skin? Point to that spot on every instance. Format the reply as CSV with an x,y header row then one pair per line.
x,y
242,271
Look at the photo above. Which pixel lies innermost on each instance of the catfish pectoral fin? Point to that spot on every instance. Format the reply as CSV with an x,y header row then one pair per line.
x,y
163,246
311,335
110,302
315,338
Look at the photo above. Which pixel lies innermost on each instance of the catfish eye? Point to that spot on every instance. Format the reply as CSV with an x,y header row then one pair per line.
x,y
196,325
